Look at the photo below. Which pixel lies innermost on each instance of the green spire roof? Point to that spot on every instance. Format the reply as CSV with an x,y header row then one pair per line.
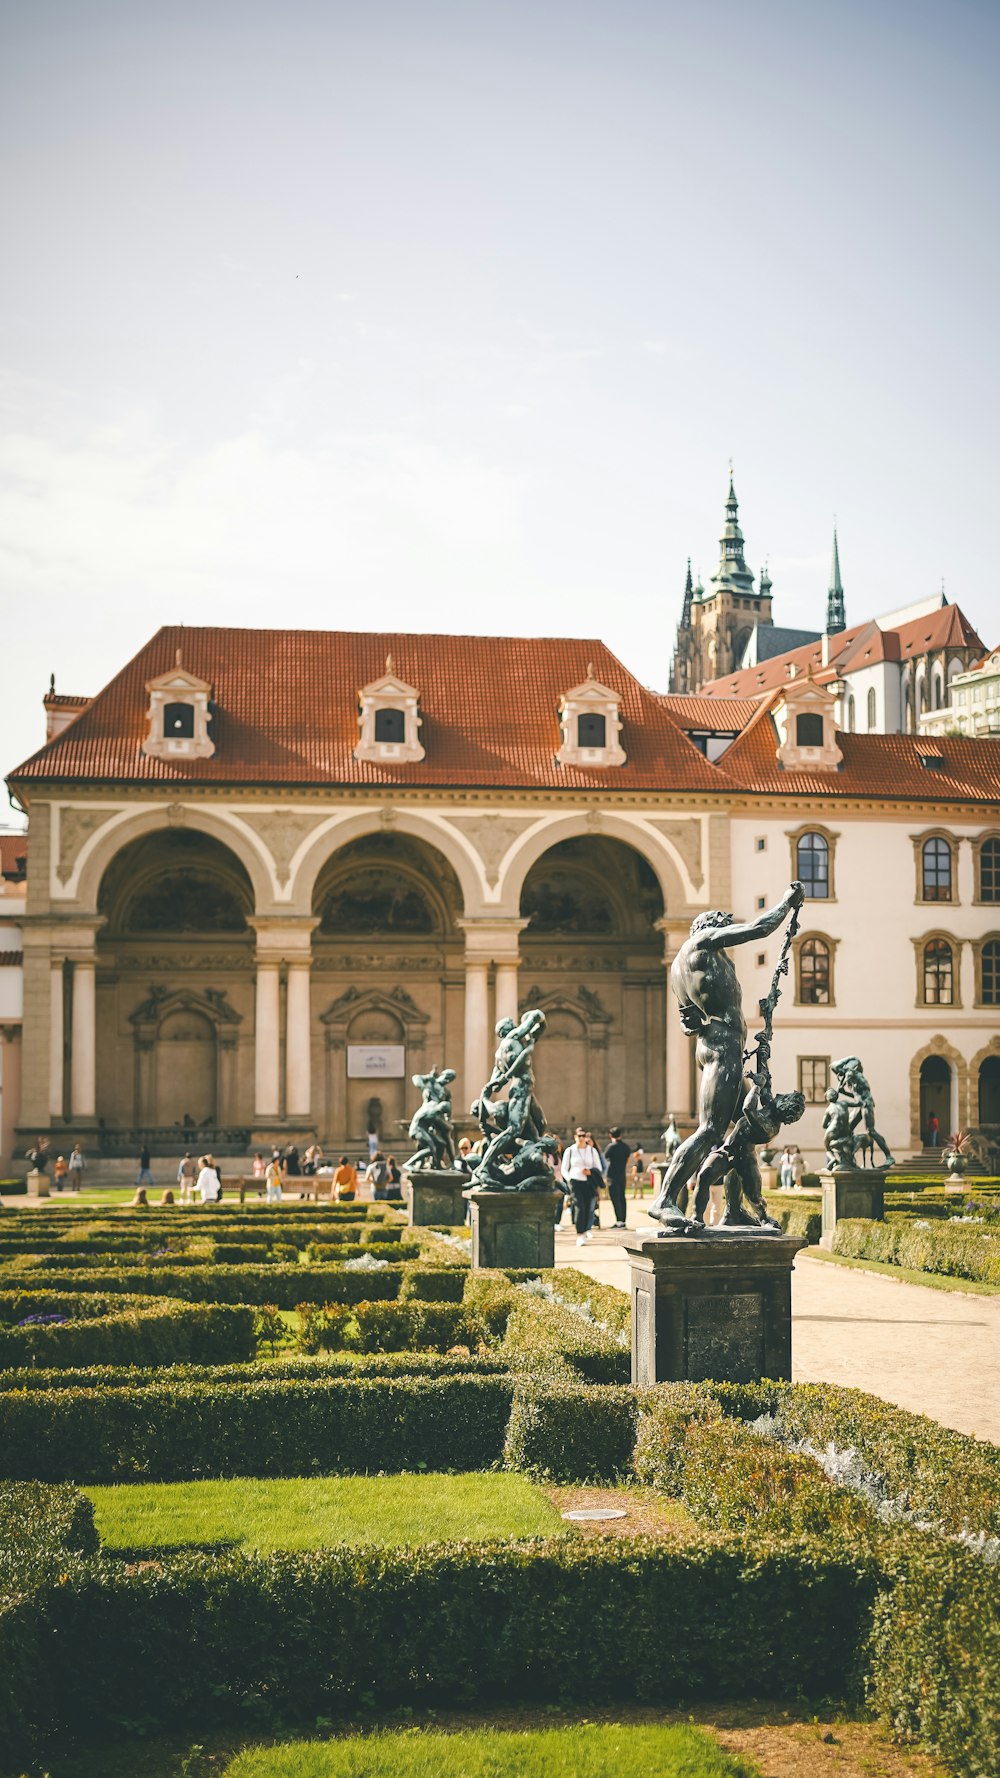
x,y
836,619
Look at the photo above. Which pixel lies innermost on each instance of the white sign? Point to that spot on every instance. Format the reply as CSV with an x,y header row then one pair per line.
x,y
375,1061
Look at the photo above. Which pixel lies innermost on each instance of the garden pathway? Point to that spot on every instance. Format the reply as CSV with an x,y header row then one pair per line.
x,y
935,1352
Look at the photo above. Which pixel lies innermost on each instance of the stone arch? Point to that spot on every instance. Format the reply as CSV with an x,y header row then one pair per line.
x,y
990,1052
675,874
184,1045
938,1047
387,884
371,1018
99,851
339,830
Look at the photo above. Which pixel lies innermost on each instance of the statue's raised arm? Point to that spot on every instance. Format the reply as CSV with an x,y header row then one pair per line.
x,y
741,932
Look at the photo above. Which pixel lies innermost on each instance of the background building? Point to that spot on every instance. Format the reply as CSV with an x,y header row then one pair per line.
x,y
273,873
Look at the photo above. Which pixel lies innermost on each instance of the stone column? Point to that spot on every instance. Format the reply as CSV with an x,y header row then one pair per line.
x,y
83,1039
57,1040
506,990
678,1058
267,1036
477,1032
298,1046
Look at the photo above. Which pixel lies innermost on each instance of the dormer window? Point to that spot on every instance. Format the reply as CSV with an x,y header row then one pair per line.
x,y
389,720
591,726
809,730
178,716
804,716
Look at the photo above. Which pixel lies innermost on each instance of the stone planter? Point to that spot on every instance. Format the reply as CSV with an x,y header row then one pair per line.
x,y
715,1306
38,1184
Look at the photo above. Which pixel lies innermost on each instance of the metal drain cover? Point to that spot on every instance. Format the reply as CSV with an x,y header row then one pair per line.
x,y
592,1513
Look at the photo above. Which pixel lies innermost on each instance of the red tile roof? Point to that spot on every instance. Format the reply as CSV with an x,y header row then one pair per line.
x,y
285,705
13,856
887,767
725,715
862,645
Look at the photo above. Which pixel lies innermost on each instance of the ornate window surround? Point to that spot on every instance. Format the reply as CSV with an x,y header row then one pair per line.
x,y
978,843
389,693
919,841
590,698
831,838
919,946
178,686
831,944
978,946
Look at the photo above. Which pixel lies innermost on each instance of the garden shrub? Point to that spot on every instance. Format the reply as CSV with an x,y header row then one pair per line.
x,y
797,1219
492,1297
389,1327
285,1286
84,1328
935,1653
433,1284
181,1431
664,1417
571,1433
549,1338
955,1250
732,1477
284,1368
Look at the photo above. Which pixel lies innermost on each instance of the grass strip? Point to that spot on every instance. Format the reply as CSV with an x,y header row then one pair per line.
x,y
306,1512
590,1751
905,1275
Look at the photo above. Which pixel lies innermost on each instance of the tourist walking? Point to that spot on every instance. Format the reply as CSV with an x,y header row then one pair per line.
x,y
797,1167
377,1175
209,1183
395,1187
272,1183
638,1170
59,1172
145,1176
581,1170
185,1178
785,1168
616,1155
76,1167
933,1130
345,1181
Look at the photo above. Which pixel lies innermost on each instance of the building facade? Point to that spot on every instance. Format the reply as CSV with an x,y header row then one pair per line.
x,y
973,706
273,874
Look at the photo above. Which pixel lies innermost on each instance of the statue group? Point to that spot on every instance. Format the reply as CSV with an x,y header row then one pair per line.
x,y
849,1120
431,1126
516,1154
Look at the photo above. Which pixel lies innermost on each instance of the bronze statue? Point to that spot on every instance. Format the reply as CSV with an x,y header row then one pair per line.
x,y
858,1095
430,1125
514,1127
711,1006
840,1138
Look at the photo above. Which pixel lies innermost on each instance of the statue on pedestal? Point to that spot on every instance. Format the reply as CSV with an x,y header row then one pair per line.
x,y
516,1151
840,1138
733,1117
430,1125
857,1094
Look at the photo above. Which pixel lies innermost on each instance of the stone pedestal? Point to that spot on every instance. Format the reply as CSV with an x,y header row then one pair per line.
x,y
435,1196
713,1306
858,1192
38,1184
513,1228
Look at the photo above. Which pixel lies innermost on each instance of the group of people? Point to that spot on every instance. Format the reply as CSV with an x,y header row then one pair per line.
x,y
67,1175
791,1167
381,1177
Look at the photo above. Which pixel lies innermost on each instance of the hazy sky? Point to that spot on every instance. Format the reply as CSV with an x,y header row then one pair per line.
x,y
439,314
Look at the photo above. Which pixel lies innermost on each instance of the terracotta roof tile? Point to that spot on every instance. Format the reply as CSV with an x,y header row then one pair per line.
x,y
728,715
286,713
946,628
13,856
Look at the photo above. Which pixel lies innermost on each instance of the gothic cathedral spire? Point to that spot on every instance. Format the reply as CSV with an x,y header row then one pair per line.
x,y
836,619
688,595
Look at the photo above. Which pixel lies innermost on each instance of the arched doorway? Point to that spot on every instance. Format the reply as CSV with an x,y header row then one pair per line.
x,y
592,958
935,1095
989,1091
388,973
175,992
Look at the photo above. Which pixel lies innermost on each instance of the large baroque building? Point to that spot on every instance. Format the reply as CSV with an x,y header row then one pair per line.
x,y
273,873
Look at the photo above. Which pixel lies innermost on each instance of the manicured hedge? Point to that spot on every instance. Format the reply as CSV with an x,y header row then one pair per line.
x,y
571,1433
388,1327
956,1250
176,1431
203,1639
803,1218
103,1329
277,1370
284,1286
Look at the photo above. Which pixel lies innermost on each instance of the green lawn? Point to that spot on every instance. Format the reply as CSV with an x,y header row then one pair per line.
x,y
312,1512
609,1751
933,1280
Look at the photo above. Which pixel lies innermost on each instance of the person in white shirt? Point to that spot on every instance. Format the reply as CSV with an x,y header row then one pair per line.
x,y
581,1171
209,1187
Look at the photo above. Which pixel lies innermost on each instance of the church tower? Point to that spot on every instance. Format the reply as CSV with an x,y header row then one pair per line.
x,y
717,624
836,618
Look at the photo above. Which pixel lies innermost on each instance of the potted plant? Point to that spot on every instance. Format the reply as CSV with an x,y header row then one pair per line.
x,y
957,1153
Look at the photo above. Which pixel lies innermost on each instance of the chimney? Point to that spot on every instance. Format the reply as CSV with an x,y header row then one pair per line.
x,y
826,649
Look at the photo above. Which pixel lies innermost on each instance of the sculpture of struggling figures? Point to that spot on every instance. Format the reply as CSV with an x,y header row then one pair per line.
x,y
430,1125
840,1139
509,1125
705,984
858,1094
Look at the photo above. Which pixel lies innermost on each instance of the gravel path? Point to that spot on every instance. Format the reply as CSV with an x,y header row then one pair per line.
x,y
935,1352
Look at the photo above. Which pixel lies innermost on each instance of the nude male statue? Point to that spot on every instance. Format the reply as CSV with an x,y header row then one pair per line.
x,y
706,986
523,1119
858,1094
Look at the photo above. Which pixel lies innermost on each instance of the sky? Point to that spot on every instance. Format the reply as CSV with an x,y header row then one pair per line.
x,y
450,315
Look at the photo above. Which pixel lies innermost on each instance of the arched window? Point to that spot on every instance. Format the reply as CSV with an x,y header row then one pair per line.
x,y
989,870
871,707
809,729
850,711
939,973
390,725
937,691
178,722
935,870
814,972
989,965
812,861
909,709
